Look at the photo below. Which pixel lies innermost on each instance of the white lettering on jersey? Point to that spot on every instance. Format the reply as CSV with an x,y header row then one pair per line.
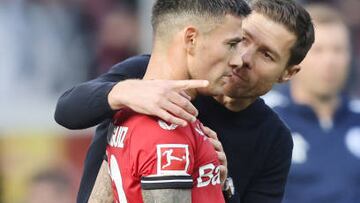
x,y
208,174
352,141
165,126
301,147
118,136
172,159
115,175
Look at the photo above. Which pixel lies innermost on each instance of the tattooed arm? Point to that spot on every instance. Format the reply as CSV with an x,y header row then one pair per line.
x,y
102,192
167,195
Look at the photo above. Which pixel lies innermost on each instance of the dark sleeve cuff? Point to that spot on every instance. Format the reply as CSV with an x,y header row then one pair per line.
x,y
100,103
166,182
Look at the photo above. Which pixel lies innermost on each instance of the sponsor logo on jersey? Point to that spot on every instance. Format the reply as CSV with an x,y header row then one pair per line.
x,y
301,148
172,159
352,141
118,136
166,126
208,174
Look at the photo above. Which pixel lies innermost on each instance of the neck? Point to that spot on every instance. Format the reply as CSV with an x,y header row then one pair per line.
x,y
168,64
324,106
235,105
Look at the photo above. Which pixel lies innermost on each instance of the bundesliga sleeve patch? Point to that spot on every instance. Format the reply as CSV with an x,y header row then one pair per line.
x,y
172,159
172,165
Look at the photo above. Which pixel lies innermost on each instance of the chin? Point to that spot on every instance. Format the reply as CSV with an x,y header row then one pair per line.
x,y
233,93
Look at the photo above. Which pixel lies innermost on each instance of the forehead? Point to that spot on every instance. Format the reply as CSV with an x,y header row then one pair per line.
x,y
266,32
230,25
339,34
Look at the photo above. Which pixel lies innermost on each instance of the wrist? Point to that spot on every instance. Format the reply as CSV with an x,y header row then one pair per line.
x,y
117,95
228,188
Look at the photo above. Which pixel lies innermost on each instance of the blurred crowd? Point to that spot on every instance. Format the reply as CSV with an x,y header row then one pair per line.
x,y
47,46
324,120
349,11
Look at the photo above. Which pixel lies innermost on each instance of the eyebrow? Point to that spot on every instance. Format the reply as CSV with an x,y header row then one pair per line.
x,y
264,46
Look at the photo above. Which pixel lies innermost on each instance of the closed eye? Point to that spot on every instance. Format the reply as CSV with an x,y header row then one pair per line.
x,y
233,42
233,45
267,55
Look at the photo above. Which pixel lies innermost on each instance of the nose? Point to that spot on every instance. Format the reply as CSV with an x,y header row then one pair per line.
x,y
247,58
242,59
236,60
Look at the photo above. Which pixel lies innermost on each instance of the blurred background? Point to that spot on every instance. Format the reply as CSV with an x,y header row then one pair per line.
x,y
47,46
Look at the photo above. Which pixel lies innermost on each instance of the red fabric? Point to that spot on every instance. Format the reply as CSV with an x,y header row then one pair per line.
x,y
144,151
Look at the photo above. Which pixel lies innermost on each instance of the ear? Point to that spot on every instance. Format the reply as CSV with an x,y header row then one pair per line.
x,y
190,39
289,73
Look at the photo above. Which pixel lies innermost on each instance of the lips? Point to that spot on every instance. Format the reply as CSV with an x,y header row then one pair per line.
x,y
238,76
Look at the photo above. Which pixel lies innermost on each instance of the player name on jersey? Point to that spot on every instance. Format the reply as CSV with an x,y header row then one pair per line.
x,y
118,136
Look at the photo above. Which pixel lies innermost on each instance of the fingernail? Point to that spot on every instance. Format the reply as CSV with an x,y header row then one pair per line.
x,y
196,113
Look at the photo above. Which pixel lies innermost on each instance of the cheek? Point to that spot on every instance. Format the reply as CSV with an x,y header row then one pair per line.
x,y
267,73
214,74
264,79
215,65
341,75
216,53
206,71
342,65
309,73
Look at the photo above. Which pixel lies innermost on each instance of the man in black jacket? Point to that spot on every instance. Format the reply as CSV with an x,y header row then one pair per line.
x,y
277,36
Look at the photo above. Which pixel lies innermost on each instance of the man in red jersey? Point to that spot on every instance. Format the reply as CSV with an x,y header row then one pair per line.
x,y
151,160
168,163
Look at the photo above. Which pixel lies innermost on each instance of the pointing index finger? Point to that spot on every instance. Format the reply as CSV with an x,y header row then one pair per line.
x,y
191,84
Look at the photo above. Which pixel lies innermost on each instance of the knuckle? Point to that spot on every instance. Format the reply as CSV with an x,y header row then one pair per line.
x,y
178,112
166,117
157,101
152,108
173,120
163,92
186,103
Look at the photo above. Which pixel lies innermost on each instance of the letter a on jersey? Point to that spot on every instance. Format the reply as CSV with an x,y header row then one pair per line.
x,y
172,159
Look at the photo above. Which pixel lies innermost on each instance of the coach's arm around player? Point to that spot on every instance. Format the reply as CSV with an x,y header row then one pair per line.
x,y
88,104
94,101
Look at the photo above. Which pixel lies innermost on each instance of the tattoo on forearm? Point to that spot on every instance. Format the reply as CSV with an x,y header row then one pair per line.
x,y
167,195
102,191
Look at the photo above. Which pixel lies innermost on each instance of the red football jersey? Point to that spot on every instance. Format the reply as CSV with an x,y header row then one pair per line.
x,y
147,153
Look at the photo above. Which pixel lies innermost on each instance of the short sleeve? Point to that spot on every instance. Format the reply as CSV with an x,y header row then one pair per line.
x,y
162,154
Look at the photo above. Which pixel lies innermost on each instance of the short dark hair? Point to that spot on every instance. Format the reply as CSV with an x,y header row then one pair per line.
x,y
295,18
203,8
